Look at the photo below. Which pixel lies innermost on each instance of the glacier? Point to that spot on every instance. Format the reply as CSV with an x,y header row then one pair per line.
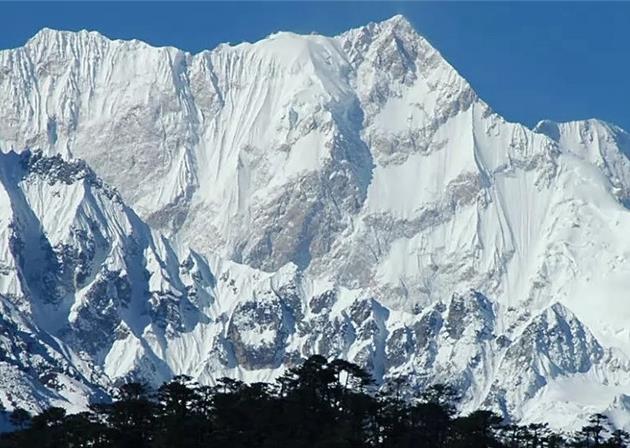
x,y
231,212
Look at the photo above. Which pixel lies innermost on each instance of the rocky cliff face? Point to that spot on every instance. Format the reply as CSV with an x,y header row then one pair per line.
x,y
349,196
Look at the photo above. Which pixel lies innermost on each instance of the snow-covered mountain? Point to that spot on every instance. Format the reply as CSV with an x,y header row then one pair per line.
x,y
349,195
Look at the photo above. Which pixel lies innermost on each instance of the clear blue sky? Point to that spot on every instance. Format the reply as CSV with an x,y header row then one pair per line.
x,y
529,61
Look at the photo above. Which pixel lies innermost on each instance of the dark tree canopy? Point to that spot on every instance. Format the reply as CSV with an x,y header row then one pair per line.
x,y
319,404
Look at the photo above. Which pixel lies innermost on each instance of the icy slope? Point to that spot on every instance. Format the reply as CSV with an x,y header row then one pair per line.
x,y
80,271
208,142
346,195
97,297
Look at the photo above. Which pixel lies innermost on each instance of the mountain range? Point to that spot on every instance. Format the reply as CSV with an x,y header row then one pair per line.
x,y
231,212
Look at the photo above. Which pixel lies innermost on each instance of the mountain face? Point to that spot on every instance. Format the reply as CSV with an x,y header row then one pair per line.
x,y
350,196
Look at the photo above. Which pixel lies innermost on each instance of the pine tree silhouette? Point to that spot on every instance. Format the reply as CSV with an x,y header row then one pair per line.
x,y
318,404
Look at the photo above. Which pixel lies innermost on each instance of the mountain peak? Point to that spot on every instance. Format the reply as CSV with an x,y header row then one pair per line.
x,y
47,34
398,21
48,39
590,126
397,25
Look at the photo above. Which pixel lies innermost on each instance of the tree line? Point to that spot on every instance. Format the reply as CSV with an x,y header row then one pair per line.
x,y
318,404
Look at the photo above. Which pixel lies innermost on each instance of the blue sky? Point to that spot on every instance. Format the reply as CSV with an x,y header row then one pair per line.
x,y
528,60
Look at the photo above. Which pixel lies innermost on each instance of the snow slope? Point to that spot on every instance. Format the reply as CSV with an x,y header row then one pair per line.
x,y
347,195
